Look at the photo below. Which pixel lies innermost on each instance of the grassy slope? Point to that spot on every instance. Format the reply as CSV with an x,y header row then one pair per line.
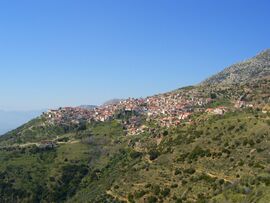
x,y
216,159
33,131
31,174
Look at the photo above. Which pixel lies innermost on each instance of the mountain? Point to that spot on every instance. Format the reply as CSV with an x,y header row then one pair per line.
x,y
251,69
88,106
202,143
112,101
13,119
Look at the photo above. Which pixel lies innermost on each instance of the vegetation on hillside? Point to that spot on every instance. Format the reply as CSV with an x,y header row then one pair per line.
x,y
207,157
216,158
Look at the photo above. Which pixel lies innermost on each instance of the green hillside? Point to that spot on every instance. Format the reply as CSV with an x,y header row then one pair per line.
x,y
213,146
216,158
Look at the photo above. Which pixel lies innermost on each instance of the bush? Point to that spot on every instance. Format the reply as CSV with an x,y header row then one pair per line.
x,y
139,194
184,182
251,142
174,185
179,200
177,171
165,192
156,190
190,170
135,154
152,199
153,154
165,133
198,152
131,198
148,185
241,162
221,181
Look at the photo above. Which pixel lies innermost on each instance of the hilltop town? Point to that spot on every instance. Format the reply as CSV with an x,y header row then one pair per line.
x,y
166,110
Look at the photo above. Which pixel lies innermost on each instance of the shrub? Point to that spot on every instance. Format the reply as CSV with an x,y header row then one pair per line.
x,y
179,200
258,140
251,142
131,198
177,171
241,162
135,154
153,154
174,185
165,192
139,194
152,199
221,181
198,152
265,180
259,150
148,185
184,182
165,133
156,190
190,170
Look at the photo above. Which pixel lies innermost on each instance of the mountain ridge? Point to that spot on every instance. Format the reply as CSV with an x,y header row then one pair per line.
x,y
256,66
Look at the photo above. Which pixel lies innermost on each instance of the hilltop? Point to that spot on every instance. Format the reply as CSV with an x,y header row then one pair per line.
x,y
251,69
203,143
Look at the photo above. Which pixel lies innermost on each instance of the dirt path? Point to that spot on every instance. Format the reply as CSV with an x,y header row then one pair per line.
x,y
37,143
214,176
109,192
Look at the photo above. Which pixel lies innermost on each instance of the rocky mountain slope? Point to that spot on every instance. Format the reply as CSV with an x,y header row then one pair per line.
x,y
251,69
205,143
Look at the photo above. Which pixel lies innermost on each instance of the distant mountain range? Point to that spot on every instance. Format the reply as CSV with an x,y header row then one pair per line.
x,y
88,106
111,101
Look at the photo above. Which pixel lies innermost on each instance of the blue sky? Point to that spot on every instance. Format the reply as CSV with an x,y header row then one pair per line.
x,y
66,53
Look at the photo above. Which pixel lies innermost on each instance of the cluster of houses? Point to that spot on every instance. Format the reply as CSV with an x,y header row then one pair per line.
x,y
165,109
67,115
170,109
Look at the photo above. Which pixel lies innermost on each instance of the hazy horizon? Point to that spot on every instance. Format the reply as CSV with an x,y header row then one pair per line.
x,y
9,120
